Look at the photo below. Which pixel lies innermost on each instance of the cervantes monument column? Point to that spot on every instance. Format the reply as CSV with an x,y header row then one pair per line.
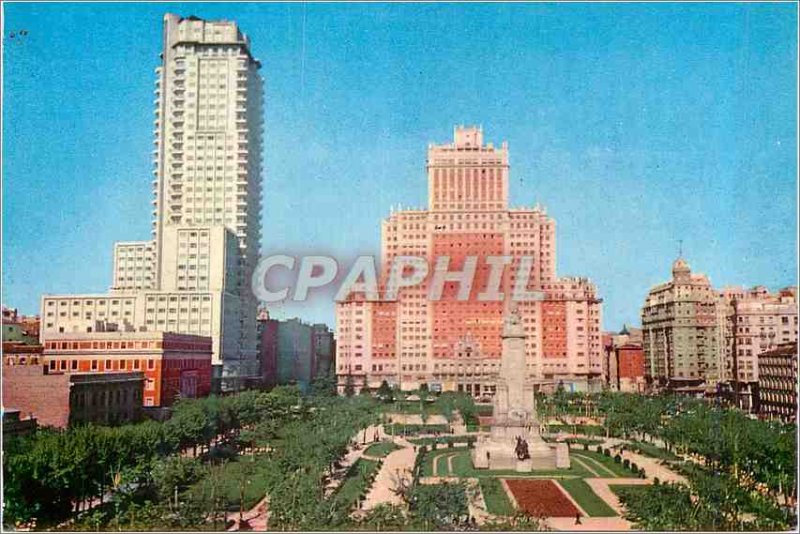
x,y
515,442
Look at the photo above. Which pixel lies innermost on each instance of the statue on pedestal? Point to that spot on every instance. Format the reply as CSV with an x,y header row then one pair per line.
x,y
514,414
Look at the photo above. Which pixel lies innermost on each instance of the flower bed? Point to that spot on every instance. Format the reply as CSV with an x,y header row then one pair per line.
x,y
541,498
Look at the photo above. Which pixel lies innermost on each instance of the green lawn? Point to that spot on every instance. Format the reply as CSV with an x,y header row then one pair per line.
x,y
379,450
462,467
497,502
583,494
359,479
612,468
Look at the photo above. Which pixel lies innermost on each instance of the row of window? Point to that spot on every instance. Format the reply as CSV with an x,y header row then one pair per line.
x,y
102,365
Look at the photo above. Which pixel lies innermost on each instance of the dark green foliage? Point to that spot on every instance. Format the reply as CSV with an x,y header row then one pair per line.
x,y
440,506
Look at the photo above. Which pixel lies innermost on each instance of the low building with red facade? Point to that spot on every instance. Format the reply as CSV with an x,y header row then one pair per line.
x,y
173,364
630,361
59,399
624,364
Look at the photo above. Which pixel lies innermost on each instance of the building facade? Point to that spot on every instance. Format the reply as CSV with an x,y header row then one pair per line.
x,y
625,364
194,275
451,344
173,365
681,332
19,328
776,396
324,349
294,352
696,338
756,321
60,399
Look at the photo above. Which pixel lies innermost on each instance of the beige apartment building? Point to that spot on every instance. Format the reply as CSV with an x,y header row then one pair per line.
x,y
757,321
193,277
695,337
681,331
455,345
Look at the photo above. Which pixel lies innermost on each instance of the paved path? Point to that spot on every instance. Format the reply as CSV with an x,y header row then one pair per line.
x,y
255,518
593,465
353,454
396,465
447,458
592,524
653,468
601,487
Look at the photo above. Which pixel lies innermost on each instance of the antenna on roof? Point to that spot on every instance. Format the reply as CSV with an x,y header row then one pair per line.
x,y
680,248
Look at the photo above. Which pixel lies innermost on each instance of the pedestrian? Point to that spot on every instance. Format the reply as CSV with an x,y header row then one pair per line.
x,y
578,518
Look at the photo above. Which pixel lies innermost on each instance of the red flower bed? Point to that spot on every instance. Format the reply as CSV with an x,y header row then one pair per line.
x,y
541,498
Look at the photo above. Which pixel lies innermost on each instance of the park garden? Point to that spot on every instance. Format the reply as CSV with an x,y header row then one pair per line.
x,y
314,461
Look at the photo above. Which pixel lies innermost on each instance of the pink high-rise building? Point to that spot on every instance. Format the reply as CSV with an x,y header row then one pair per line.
x,y
452,344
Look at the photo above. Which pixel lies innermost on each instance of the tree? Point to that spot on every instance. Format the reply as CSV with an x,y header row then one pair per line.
x,y
349,386
440,506
384,517
385,393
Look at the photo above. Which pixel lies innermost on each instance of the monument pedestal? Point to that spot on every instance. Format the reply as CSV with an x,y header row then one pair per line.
x,y
514,443
498,451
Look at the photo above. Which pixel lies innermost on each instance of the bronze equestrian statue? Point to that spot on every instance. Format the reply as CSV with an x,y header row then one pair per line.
x,y
521,449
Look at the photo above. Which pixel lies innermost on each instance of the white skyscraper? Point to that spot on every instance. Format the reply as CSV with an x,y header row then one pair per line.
x,y
194,276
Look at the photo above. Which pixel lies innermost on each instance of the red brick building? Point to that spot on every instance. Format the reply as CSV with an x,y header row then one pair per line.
x,y
624,365
173,364
630,361
60,399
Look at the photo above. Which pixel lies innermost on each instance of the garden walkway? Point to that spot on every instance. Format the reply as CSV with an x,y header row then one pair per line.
x,y
255,519
652,466
396,465
601,487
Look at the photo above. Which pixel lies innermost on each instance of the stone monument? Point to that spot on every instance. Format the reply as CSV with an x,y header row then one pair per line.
x,y
515,442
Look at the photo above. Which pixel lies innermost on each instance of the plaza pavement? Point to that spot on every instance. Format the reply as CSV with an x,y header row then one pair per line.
x,y
399,463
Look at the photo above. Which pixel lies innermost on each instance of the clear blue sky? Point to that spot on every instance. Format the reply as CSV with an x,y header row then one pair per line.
x,y
635,125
